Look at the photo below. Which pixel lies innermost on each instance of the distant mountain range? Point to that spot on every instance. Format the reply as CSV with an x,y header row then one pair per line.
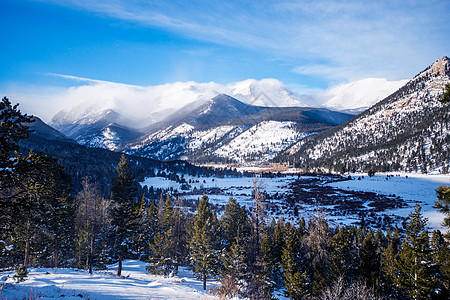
x,y
227,130
176,124
408,130
262,121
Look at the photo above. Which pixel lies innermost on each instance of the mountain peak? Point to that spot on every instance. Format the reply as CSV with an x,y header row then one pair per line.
x,y
440,67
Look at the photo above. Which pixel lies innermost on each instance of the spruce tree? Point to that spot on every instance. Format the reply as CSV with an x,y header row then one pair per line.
x,y
13,128
123,213
234,223
441,258
204,244
161,259
342,262
370,260
318,253
163,255
416,276
234,274
293,262
389,263
443,204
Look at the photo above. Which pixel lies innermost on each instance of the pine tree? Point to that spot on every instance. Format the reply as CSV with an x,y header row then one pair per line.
x,y
59,213
234,273
123,216
293,262
415,261
148,228
161,259
389,269
441,258
13,128
443,204
234,223
204,244
446,96
163,254
370,261
343,261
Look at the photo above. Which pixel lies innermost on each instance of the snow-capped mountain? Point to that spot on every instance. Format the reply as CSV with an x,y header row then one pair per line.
x,y
225,129
266,92
125,117
409,130
360,95
99,130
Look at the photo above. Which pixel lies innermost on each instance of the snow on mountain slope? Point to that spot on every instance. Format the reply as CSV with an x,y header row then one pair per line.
x,y
225,129
360,95
140,107
263,141
265,92
406,131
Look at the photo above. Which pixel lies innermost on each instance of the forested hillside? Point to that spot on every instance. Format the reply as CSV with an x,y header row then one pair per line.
x,y
407,131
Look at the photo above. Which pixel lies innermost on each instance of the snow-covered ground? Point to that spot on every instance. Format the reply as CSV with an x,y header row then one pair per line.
x,y
240,188
412,188
136,283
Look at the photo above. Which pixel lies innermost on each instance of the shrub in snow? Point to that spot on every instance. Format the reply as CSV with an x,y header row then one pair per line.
x,y
21,273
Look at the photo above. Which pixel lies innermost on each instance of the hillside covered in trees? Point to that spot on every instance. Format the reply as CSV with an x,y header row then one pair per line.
x,y
407,131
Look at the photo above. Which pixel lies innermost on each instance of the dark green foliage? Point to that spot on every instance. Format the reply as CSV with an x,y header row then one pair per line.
x,y
162,258
389,270
293,262
443,203
343,248
21,273
235,223
163,248
204,244
234,272
13,128
441,258
416,275
446,96
370,260
123,213
318,253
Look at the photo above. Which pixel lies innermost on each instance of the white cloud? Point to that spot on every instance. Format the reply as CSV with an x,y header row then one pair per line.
x,y
141,106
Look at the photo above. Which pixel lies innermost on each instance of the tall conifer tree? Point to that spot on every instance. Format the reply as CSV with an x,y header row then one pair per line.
x,y
204,243
123,212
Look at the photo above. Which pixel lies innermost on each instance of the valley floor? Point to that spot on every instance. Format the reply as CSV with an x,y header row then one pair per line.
x,y
386,198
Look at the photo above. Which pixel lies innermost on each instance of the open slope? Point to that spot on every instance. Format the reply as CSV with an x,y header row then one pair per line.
x,y
225,129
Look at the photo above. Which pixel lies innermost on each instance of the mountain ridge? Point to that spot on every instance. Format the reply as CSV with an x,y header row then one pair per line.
x,y
407,130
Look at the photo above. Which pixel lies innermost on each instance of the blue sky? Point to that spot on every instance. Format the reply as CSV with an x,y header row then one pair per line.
x,y
305,44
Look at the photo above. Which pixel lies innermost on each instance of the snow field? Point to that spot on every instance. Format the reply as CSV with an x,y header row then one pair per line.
x,y
410,187
136,283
